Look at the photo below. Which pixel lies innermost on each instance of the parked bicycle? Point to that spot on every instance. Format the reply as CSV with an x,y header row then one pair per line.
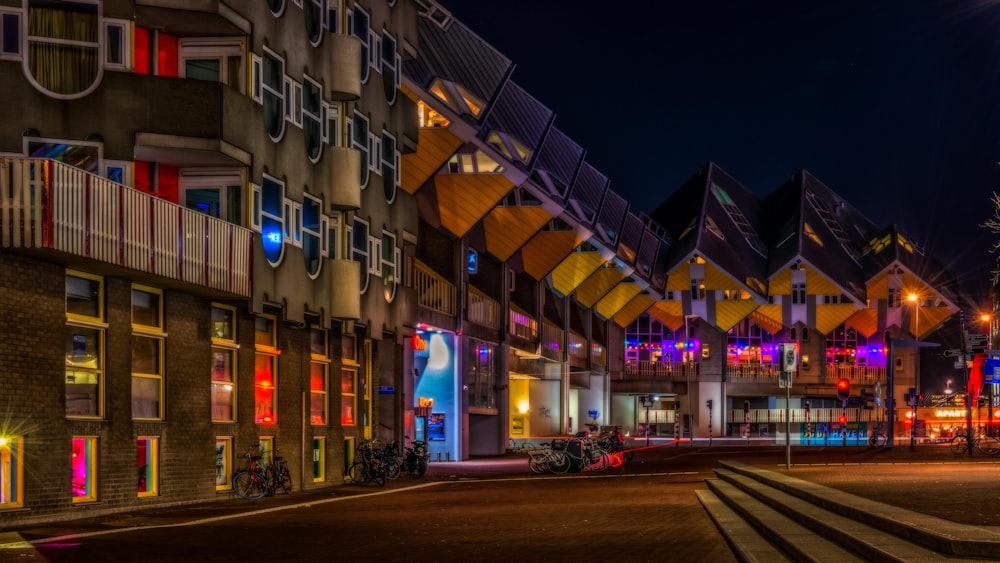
x,y
415,459
391,460
614,443
549,458
251,481
877,438
278,476
367,466
983,442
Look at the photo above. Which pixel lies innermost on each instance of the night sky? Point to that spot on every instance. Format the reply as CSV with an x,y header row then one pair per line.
x,y
894,104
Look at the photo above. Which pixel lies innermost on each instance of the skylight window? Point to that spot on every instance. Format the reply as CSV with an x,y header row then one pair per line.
x,y
807,228
457,97
739,219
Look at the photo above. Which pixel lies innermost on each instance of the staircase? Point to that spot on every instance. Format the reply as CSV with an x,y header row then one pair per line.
x,y
769,516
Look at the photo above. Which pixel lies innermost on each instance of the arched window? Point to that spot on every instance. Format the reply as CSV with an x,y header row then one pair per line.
x,y
273,86
312,229
272,219
63,47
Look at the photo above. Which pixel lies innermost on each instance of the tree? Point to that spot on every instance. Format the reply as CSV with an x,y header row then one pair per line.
x,y
993,226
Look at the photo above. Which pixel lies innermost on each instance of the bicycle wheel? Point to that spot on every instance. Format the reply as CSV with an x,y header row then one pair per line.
x,y
560,462
988,445
535,465
283,480
378,474
599,460
249,485
959,445
421,467
392,468
357,473
881,440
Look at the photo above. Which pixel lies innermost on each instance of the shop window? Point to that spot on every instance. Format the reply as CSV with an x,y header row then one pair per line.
x,y
312,118
482,376
11,472
273,94
390,265
390,167
359,141
147,466
319,459
84,345
264,389
84,469
223,463
348,395
63,46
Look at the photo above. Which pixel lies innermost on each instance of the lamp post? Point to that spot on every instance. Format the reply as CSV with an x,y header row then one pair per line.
x,y
646,401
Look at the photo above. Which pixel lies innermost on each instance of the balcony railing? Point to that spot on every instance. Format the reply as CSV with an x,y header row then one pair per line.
x,y
577,346
48,204
749,372
666,370
552,341
522,325
857,374
433,291
483,309
812,416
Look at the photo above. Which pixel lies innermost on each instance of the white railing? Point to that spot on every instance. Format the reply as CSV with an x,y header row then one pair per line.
x,y
433,291
48,204
668,370
814,415
483,309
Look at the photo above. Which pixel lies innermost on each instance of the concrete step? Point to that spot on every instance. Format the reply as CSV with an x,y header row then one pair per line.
x,y
870,543
748,545
933,533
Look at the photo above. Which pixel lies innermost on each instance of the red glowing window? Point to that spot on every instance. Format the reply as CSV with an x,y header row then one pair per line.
x,y
264,389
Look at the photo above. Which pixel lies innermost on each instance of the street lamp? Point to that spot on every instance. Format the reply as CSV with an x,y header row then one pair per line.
x,y
646,401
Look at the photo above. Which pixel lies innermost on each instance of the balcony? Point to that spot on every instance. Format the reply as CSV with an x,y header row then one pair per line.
x,y
433,291
658,370
578,351
552,341
523,330
857,374
482,309
48,205
748,372
798,416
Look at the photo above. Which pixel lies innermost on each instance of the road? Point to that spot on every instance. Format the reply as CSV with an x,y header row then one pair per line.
x,y
484,510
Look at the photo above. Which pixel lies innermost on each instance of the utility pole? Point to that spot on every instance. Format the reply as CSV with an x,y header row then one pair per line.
x,y
969,436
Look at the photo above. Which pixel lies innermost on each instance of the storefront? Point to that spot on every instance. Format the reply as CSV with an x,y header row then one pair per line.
x,y
436,391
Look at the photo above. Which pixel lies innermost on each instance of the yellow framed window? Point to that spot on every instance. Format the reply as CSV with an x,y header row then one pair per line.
x,y
147,465
11,472
223,463
224,347
319,369
84,345
84,468
319,459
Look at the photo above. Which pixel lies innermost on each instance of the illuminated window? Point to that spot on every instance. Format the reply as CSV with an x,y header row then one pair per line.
x,y
146,465
807,228
265,368
147,353
11,472
319,368
217,195
84,345
319,459
348,395
266,447
509,146
457,97
223,363
84,469
223,463
390,260
63,47
429,117
269,211
697,289
482,375
713,228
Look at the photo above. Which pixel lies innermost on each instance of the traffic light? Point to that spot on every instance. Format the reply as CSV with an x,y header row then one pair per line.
x,y
843,420
843,389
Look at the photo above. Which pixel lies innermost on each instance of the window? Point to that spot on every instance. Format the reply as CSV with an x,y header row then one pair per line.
x,y
293,102
63,47
697,289
799,293
223,463
313,12
360,252
10,34
313,230
312,118
360,29
319,459
215,60
277,7
84,345
146,465
273,94
331,132
318,375
359,141
348,395
482,375
147,353
272,219
215,193
117,44
84,469
265,368
390,167
390,260
390,67
224,349
894,298
11,472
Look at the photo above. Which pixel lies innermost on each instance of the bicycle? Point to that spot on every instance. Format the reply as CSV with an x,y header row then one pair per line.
x,y
551,458
367,466
878,439
592,457
278,476
251,482
985,443
390,460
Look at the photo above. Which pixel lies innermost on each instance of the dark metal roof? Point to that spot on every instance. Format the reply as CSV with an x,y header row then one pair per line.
x,y
628,246
521,116
456,54
560,158
918,261
610,218
586,193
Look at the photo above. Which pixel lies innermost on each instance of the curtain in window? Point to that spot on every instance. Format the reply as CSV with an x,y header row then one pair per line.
x,y
63,47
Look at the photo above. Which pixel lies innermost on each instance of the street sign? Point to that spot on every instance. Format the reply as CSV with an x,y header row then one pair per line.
x,y
952,353
978,340
386,390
